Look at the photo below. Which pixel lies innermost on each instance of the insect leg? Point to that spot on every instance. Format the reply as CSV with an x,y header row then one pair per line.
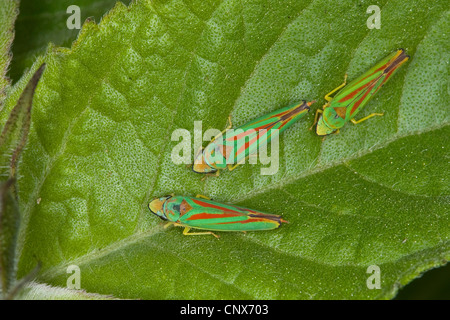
x,y
215,174
229,123
202,196
231,168
186,233
327,96
225,130
316,117
200,150
365,118
168,224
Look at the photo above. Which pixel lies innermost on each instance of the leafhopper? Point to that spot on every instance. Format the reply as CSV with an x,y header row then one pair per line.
x,y
229,150
352,97
205,214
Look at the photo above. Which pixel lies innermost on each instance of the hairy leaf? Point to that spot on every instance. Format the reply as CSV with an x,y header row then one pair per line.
x,y
15,131
100,150
8,14
9,228
39,291
12,139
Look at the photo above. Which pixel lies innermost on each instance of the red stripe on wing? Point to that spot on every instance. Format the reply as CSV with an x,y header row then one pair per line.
x,y
246,145
389,66
386,77
379,69
249,220
357,103
354,93
204,215
210,205
241,135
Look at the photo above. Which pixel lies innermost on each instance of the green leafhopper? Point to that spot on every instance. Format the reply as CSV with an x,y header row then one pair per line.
x,y
344,106
230,150
198,213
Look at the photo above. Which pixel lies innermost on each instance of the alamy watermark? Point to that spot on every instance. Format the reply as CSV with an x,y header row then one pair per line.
x,y
74,20
374,21
74,280
226,151
374,280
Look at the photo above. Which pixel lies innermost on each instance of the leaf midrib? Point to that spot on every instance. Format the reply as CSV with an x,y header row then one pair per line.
x,y
320,168
56,270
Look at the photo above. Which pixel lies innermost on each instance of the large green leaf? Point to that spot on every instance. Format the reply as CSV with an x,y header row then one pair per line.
x,y
100,145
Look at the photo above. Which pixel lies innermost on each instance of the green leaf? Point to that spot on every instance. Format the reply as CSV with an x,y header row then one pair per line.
x,y
12,140
15,131
100,145
39,291
44,21
8,14
9,229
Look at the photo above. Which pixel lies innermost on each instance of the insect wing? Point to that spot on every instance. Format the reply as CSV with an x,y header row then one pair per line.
x,y
210,215
358,92
245,140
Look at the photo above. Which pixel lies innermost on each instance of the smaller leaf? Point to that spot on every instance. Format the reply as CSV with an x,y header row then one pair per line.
x,y
15,131
19,285
8,14
9,228
13,139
